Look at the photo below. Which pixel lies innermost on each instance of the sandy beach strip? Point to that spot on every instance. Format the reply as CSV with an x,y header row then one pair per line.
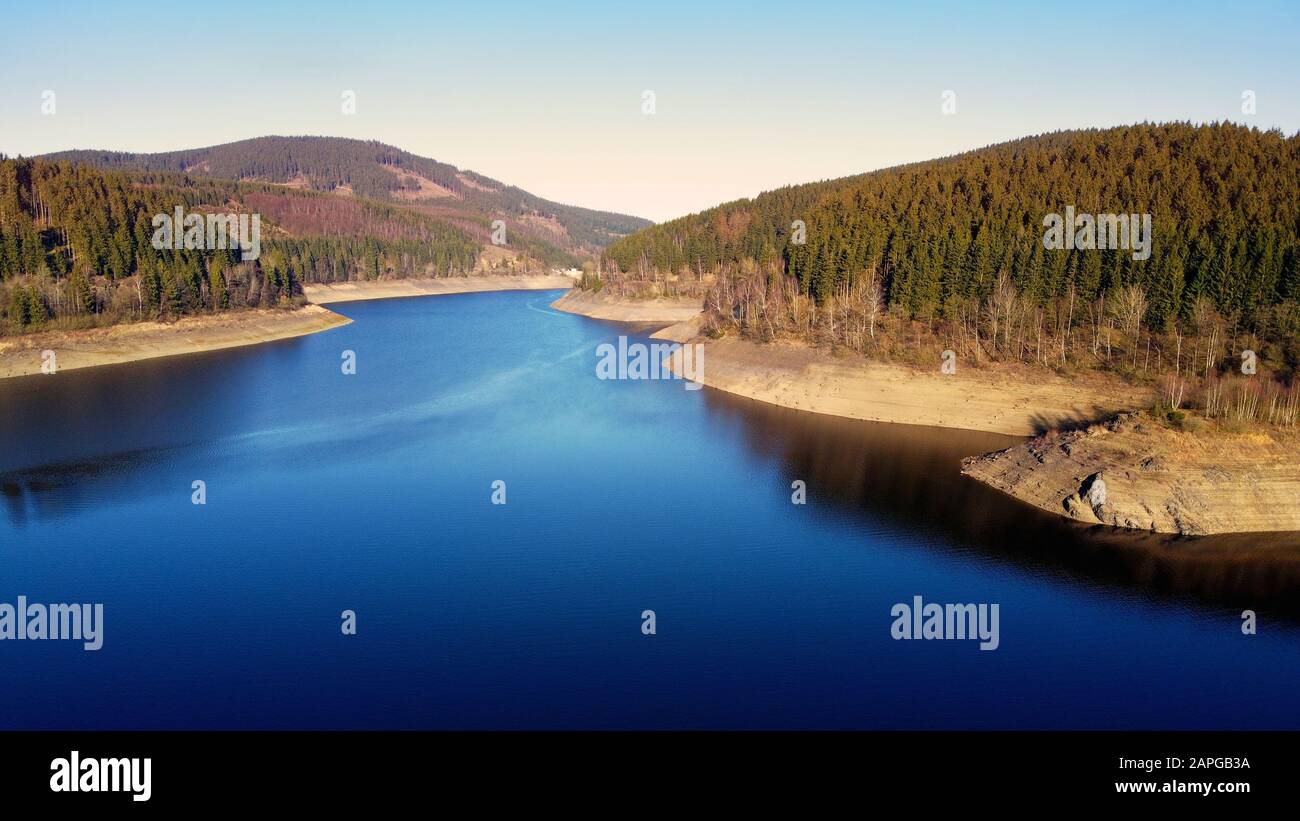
x,y
24,355
622,309
1017,402
396,288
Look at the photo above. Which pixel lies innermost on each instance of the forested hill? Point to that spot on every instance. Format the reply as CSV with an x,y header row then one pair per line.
x,y
373,169
79,246
1224,202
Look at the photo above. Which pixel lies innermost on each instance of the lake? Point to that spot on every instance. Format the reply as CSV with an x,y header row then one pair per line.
x,y
372,492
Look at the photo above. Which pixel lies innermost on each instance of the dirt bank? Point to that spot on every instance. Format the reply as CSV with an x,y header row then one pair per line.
x,y
393,288
24,355
622,309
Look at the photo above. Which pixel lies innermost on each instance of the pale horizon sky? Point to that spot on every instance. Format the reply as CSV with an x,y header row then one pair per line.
x,y
748,96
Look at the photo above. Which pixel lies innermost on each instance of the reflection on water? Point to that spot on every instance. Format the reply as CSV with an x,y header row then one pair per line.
x,y
910,475
51,491
94,437
370,492
906,476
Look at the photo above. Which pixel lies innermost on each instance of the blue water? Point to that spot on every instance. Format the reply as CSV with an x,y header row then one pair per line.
x,y
372,492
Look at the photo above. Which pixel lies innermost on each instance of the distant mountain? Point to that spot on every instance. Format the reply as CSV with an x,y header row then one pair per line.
x,y
80,231
81,246
370,169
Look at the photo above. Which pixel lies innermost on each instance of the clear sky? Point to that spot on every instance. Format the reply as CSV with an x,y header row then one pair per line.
x,y
748,95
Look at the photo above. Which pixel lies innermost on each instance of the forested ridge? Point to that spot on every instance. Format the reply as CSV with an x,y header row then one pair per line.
x,y
949,254
1225,202
369,169
76,246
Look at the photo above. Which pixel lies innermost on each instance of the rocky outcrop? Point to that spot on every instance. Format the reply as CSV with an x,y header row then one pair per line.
x,y
1136,472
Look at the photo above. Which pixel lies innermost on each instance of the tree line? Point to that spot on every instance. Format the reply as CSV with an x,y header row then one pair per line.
x,y
76,247
950,254
1223,200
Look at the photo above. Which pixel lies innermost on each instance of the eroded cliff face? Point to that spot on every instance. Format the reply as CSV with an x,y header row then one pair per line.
x,y
1136,472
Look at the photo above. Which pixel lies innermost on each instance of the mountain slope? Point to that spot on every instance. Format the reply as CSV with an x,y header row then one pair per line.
x,y
950,267
81,247
372,169
1224,201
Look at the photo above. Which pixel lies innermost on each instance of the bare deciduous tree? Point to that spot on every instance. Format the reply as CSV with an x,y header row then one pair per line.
x,y
1129,307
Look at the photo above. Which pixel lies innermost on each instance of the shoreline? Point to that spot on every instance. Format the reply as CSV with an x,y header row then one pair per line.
x,y
330,294
1004,401
625,309
1137,473
799,376
1153,478
1157,479
135,341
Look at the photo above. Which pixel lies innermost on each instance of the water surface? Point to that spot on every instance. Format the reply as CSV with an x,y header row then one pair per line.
x,y
372,492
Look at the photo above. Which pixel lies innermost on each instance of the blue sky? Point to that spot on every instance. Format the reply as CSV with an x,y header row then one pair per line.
x,y
748,96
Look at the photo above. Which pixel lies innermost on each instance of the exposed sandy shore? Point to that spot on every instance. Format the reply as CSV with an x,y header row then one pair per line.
x,y
1138,473
1157,478
798,376
622,309
389,289
22,355
998,401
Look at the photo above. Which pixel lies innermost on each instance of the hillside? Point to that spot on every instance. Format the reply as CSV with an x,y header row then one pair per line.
x,y
957,255
1223,201
374,170
77,246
